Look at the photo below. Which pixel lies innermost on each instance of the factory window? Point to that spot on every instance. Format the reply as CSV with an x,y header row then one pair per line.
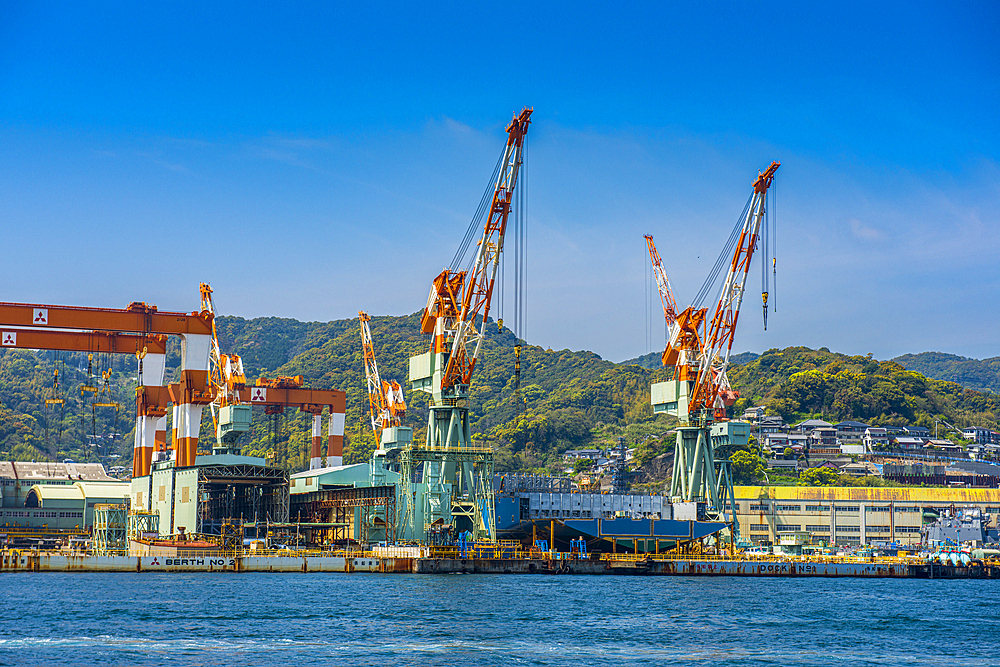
x,y
848,508
788,508
760,508
878,529
907,509
818,529
787,527
848,529
309,481
907,529
817,508
186,494
992,509
876,509
163,492
762,527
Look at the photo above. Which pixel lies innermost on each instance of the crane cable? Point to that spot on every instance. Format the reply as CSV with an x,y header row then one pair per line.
x,y
475,225
724,257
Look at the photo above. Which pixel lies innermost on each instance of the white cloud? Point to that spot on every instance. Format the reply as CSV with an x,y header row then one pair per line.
x,y
863,231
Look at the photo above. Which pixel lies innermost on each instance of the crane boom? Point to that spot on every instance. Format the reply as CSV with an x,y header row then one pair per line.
x,y
386,406
461,319
711,377
662,283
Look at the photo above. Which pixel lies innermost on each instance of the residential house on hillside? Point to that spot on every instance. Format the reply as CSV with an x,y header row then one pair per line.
x,y
775,442
978,435
918,432
773,424
573,454
944,445
808,425
894,431
753,415
908,443
859,469
850,431
823,437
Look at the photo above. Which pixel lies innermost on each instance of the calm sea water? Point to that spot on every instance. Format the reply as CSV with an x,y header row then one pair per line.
x,y
361,619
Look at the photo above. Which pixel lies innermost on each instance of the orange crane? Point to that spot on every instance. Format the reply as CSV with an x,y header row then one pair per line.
x,y
227,374
276,394
699,391
456,487
386,407
43,324
712,381
684,347
662,284
456,310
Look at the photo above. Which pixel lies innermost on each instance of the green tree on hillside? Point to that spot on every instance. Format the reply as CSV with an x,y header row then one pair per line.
x,y
746,467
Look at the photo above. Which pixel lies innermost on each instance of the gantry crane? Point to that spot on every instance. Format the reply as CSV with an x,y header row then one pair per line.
x,y
456,487
699,391
131,329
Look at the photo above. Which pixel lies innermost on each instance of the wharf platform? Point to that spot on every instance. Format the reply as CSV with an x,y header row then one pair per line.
x,y
15,560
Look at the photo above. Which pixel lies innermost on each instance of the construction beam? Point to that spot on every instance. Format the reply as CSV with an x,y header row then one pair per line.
x,y
335,399
82,341
138,318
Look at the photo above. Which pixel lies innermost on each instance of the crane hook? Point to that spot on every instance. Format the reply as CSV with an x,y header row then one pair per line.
x,y
764,297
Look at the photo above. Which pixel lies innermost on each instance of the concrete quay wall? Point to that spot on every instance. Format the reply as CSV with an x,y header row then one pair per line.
x,y
46,561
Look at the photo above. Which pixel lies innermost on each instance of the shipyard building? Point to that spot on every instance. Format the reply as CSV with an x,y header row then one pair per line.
x,y
852,515
54,496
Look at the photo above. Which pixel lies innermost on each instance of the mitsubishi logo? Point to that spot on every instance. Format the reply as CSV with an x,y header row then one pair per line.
x,y
41,316
10,338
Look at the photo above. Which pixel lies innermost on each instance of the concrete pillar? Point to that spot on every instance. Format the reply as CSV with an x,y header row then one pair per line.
x,y
194,395
335,440
315,455
153,368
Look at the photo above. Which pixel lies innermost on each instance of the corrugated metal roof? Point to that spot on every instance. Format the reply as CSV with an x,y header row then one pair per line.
x,y
113,489
81,490
864,494
27,470
53,492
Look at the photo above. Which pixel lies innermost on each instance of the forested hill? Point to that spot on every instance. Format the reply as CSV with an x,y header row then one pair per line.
x,y
983,375
571,399
799,383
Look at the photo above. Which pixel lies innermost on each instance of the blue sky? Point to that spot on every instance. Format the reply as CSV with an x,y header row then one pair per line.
x,y
320,159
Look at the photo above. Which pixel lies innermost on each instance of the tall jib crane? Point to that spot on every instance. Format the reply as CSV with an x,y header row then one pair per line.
x,y
386,408
662,285
699,391
230,416
456,475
